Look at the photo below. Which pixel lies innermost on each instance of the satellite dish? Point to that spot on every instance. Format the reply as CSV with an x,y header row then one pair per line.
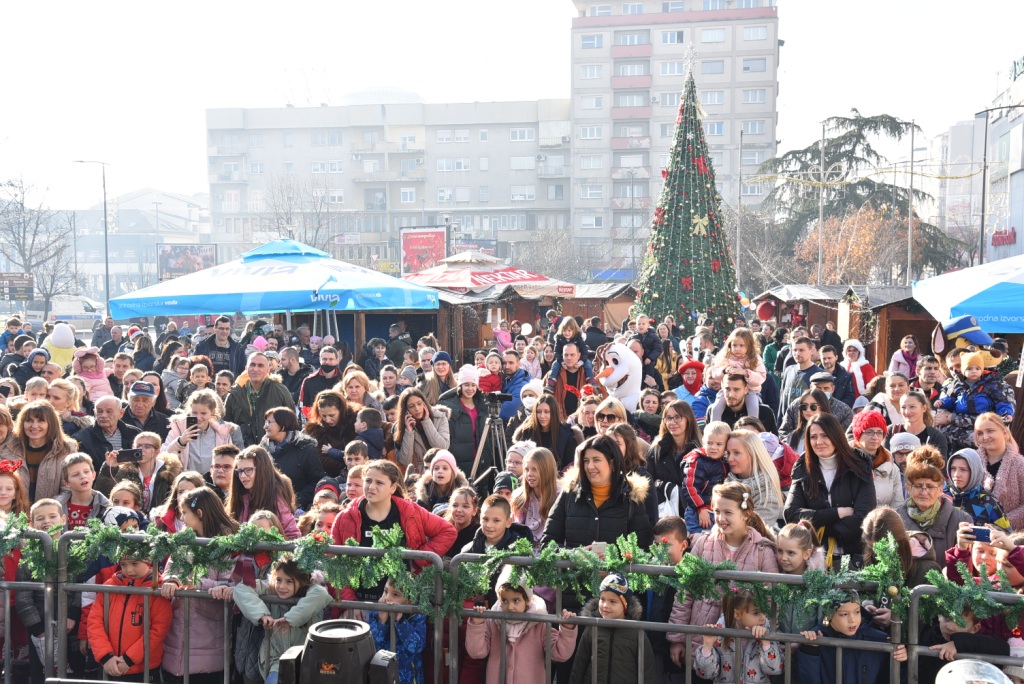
x,y
525,329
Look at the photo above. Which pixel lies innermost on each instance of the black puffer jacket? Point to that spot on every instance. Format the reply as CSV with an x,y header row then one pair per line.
x,y
463,440
297,458
849,490
667,469
575,520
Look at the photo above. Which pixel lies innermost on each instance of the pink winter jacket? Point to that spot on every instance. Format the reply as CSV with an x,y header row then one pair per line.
x,y
524,659
284,514
755,376
206,630
1008,486
96,382
756,554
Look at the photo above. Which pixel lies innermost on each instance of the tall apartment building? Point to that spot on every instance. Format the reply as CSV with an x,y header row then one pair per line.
x,y
628,70
352,176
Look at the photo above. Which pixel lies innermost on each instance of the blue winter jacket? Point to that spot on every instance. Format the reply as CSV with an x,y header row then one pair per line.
x,y
700,405
513,385
859,667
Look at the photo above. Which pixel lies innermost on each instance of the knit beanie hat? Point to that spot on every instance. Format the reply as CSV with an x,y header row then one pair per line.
x,y
522,447
445,456
867,420
971,359
535,386
618,585
469,374
409,373
442,356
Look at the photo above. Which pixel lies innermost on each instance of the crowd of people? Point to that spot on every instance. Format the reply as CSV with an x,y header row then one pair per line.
x,y
779,450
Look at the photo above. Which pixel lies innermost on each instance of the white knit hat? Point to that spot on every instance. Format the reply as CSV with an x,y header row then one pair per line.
x,y
469,374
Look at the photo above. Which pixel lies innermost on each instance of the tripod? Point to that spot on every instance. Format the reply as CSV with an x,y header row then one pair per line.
x,y
494,435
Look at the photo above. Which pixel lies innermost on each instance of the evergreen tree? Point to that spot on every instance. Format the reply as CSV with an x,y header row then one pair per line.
x,y
687,269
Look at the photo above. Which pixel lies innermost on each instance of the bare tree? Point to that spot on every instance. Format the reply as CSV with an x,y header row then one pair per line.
x,y
57,275
300,210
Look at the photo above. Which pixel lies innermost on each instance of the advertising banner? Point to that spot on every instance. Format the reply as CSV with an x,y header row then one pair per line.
x,y
423,248
178,260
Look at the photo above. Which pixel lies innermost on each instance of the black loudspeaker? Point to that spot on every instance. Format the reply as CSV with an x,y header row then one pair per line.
x,y
383,668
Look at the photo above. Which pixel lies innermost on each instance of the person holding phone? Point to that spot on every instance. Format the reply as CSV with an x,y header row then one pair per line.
x,y
197,428
926,510
147,467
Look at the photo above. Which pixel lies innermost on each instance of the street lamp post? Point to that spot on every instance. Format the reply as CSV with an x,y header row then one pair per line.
x,y
632,228
984,175
106,234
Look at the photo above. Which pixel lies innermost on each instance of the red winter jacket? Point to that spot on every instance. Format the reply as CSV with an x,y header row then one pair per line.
x,y
423,531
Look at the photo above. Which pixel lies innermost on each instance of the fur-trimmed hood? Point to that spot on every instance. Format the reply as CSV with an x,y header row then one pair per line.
x,y
633,612
170,469
425,490
636,486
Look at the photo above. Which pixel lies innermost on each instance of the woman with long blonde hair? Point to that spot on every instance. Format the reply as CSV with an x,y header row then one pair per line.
x,y
750,464
535,496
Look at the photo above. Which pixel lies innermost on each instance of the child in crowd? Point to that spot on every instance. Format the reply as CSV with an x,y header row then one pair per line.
x,y
525,642
13,494
797,551
965,478
949,638
369,427
703,469
328,490
410,634
35,389
502,337
569,333
1004,552
443,477
119,645
353,485
533,500
284,625
489,379
173,378
978,393
817,665
88,365
740,355
531,363
79,500
390,405
761,659
497,531
463,513
504,484
515,455
325,515
167,518
617,653
357,452
671,532
126,494
739,536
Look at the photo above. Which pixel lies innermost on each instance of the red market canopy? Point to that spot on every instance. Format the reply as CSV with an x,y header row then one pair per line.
x,y
477,272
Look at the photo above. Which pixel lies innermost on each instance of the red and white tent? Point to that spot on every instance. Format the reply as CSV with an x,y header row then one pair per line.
x,y
477,272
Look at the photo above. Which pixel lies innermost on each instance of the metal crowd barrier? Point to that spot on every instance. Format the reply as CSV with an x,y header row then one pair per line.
x,y
47,587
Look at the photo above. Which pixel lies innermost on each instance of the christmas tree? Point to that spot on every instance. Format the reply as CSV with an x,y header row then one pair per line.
x,y
687,269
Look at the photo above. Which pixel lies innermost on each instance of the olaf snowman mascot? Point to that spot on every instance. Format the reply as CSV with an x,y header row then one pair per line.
x,y
622,375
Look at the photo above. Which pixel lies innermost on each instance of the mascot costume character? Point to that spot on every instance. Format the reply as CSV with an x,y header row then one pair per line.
x,y
622,374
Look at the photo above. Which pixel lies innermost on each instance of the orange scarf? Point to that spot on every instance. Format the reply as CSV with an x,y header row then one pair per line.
x,y
601,493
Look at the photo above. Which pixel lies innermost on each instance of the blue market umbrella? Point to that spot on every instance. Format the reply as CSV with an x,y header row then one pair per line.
x,y
283,275
993,293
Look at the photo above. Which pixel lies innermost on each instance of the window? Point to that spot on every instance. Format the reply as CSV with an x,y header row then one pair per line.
x,y
749,189
755,33
633,8
336,196
444,194
712,66
599,11
714,4
714,35
484,163
592,102
522,134
753,158
632,189
632,131
754,96
462,194
318,167
592,161
256,168
484,135
522,163
632,70
754,127
232,200
230,168
318,139
408,139
593,42
670,99
591,191
591,132
443,136
631,161
289,168
632,39
462,136
632,100
556,192
714,128
256,203
631,220
461,163
523,193
444,164
755,64
484,193
408,166
712,97
672,37
748,4
591,71
591,222
287,140
408,195
672,69
255,140
335,167
668,130
717,159
334,138
675,6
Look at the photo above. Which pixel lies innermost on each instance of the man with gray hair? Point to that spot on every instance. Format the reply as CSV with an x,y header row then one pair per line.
x,y
108,434
426,357
247,403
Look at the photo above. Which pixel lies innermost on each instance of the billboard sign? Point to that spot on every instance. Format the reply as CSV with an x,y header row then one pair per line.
x,y
16,287
488,247
174,261
423,248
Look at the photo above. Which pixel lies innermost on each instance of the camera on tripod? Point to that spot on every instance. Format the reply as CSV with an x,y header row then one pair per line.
x,y
498,398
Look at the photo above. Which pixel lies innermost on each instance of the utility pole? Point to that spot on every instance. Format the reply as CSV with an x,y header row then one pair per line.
x,y
739,213
910,207
632,225
156,207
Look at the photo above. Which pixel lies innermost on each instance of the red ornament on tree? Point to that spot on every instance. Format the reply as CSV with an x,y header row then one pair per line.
x,y
664,173
701,164
715,265
687,283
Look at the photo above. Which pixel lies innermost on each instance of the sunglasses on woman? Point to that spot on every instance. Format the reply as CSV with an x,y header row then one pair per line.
x,y
607,417
808,407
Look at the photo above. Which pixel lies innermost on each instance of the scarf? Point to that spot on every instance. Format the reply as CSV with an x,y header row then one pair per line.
x,y
924,519
911,361
273,447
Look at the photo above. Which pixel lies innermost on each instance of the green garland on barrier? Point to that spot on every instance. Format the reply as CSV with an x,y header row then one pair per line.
x,y
953,598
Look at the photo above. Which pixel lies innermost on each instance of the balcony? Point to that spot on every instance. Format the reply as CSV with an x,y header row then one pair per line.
x,y
626,113
631,172
636,143
390,176
225,151
631,203
228,177
631,81
552,171
623,51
